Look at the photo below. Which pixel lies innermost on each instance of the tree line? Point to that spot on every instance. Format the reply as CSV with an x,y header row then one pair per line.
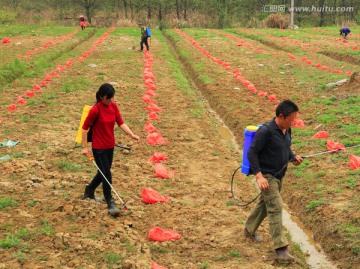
x,y
181,13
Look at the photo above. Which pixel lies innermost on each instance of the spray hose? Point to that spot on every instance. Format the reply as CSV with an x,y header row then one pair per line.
x,y
122,201
304,157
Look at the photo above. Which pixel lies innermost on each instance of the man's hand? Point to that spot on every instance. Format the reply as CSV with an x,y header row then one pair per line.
x,y
298,160
262,182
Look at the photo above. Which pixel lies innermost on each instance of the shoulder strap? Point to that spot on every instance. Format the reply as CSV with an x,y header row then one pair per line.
x,y
97,114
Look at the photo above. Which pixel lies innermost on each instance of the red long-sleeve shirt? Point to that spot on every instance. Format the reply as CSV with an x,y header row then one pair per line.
x,y
103,130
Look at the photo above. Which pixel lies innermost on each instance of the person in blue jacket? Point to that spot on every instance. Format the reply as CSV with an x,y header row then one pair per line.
x,y
144,38
344,32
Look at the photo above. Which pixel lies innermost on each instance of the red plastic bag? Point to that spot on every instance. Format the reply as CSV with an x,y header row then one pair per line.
x,y
155,139
156,266
160,235
321,134
12,107
297,123
36,87
146,98
162,172
150,196
262,94
149,81
251,88
272,97
6,40
150,92
158,158
331,145
153,107
149,128
21,100
29,94
153,116
354,162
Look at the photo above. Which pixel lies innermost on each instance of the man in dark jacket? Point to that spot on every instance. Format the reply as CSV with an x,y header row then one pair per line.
x,y
144,38
269,155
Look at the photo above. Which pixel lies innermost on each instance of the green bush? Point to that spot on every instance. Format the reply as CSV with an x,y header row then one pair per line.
x,y
7,17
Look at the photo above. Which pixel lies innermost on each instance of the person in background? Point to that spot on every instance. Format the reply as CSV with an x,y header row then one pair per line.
x,y
144,38
82,22
269,155
344,32
102,118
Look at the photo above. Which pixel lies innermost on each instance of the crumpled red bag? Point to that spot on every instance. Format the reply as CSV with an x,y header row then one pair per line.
x,y
162,172
149,127
331,145
150,196
272,97
158,158
153,107
151,93
21,100
321,134
298,123
29,94
12,107
251,88
354,162
155,139
36,87
160,235
153,116
147,98
156,266
6,40
262,94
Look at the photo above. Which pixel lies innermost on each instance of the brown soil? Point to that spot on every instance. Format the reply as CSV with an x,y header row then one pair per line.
x,y
47,176
341,57
238,108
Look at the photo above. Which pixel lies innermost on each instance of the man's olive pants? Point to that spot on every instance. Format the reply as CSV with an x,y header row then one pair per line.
x,y
269,204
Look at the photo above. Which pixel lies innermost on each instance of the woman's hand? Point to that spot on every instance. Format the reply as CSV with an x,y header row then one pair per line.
x,y
86,152
135,137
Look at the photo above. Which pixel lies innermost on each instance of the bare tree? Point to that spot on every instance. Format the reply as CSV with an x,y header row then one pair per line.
x,y
89,7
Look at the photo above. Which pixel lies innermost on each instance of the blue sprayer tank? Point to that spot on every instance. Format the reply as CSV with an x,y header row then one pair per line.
x,y
249,134
148,32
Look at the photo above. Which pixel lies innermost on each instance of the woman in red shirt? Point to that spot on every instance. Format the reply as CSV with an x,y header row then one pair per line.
x,y
102,118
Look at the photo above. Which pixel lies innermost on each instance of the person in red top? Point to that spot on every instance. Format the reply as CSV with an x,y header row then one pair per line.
x,y
82,22
102,118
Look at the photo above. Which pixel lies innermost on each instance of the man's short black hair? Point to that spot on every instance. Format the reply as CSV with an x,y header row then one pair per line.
x,y
286,108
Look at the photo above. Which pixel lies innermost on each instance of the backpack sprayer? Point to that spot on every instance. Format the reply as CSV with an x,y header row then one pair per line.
x,y
249,134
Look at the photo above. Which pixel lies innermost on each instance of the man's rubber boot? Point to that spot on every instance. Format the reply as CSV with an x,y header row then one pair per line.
x,y
254,237
90,194
282,255
113,211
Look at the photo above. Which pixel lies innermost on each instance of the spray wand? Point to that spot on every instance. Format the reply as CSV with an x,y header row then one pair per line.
x,y
329,151
122,201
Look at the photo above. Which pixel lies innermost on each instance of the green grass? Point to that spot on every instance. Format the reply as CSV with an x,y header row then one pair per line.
x,y
9,242
69,166
7,202
46,228
112,258
314,204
